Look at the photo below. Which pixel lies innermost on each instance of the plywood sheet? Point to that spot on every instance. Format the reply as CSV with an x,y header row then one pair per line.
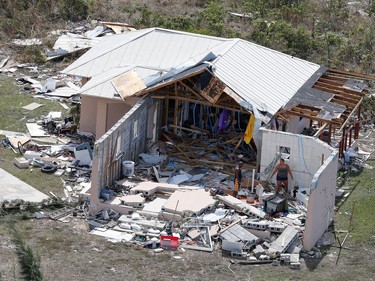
x,y
128,84
14,140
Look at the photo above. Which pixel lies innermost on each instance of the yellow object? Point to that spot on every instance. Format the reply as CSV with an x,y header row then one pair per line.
x,y
236,185
248,135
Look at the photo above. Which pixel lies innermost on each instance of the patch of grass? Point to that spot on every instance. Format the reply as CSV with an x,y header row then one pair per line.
x,y
41,181
12,116
362,195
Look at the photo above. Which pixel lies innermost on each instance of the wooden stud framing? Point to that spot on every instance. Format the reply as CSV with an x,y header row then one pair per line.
x,y
313,117
191,90
331,88
201,102
350,74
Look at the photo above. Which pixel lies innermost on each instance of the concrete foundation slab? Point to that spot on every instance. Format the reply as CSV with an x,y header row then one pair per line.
x,y
11,188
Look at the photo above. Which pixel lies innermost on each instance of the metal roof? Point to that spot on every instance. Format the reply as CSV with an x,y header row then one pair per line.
x,y
262,76
101,85
149,48
265,78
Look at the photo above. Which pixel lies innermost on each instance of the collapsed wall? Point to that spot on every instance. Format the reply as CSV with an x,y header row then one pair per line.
x,y
314,165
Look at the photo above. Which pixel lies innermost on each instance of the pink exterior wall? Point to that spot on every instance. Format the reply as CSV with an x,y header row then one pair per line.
x,y
88,114
98,115
115,112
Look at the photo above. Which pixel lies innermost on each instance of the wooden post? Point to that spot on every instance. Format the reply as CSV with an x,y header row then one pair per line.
x,y
346,140
329,134
166,110
357,124
175,116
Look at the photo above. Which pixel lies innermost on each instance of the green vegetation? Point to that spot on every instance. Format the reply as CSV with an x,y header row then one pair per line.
x,y
327,34
369,108
333,33
30,268
362,197
34,177
13,116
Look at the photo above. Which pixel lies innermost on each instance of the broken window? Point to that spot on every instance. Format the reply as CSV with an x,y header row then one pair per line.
x,y
285,152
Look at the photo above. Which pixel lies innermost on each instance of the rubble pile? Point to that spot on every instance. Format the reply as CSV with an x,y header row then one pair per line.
x,y
47,83
169,217
55,150
214,152
169,207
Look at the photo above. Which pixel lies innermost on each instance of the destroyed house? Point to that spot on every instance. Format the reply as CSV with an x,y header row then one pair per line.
x,y
214,98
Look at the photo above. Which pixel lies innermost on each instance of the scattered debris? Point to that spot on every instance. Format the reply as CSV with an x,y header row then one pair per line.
x,y
32,106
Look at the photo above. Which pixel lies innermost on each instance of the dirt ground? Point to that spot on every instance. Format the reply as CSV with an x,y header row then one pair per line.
x,y
68,252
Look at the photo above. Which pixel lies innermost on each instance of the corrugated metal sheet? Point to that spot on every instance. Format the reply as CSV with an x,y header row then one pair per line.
x,y
101,86
73,42
149,48
263,77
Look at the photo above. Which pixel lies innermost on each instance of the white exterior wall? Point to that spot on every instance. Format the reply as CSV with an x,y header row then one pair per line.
x,y
321,206
307,154
314,165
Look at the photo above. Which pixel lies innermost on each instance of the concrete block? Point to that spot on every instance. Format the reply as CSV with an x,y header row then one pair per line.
x,y
21,162
258,251
295,265
32,154
284,241
233,247
136,201
266,245
285,258
294,258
